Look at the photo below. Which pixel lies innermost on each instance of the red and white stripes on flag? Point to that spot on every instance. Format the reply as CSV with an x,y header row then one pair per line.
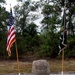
x,y
11,34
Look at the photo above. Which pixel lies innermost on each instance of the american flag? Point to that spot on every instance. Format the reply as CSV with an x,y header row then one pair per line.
x,y
11,34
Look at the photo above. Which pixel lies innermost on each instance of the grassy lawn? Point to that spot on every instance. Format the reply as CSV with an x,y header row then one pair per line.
x,y
26,67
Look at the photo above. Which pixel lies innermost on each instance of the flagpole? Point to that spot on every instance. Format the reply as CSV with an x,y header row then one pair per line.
x,y
62,61
17,58
16,51
65,46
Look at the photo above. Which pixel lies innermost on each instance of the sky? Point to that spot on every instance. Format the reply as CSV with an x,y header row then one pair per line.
x,y
8,2
13,3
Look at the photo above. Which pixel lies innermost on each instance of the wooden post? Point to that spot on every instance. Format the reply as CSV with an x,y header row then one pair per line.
x,y
17,58
62,61
64,44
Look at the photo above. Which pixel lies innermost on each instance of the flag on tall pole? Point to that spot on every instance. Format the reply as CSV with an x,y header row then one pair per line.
x,y
11,34
63,36
12,38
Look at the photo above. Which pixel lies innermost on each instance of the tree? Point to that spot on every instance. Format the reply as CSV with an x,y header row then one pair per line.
x,y
51,12
4,15
22,16
70,7
27,35
51,23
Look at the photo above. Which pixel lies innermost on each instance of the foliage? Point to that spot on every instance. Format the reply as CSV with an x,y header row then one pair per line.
x,y
51,19
4,15
27,35
29,41
2,1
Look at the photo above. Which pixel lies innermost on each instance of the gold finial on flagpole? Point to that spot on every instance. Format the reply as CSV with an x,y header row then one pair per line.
x,y
10,7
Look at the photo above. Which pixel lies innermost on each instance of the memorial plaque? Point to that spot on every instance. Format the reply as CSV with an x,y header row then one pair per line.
x,y
40,67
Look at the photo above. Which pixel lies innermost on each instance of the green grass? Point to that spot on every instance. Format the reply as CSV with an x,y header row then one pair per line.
x,y
26,67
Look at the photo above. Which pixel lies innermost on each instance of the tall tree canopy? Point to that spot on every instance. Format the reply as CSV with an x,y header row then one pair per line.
x,y
29,40
4,15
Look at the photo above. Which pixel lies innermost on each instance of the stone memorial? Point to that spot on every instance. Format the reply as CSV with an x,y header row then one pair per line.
x,y
40,67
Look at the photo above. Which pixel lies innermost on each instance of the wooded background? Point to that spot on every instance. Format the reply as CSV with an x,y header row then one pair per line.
x,y
32,39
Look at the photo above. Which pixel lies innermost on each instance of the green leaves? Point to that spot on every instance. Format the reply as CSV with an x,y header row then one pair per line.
x,y
43,44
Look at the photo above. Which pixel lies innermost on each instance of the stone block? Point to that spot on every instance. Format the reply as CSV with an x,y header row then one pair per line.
x,y
40,67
